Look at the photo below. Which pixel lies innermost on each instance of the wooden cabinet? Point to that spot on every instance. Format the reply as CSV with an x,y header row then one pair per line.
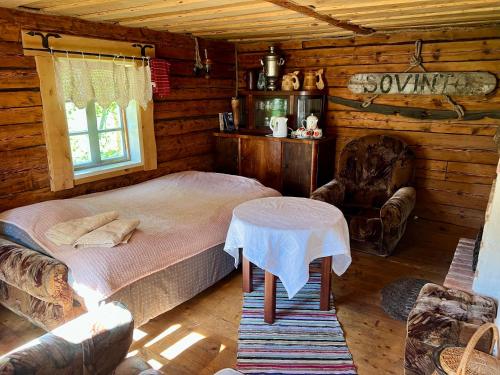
x,y
261,160
226,155
259,106
294,167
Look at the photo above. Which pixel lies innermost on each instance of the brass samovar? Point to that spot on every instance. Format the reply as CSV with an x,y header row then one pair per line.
x,y
271,63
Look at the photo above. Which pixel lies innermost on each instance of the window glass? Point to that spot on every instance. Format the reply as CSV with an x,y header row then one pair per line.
x,y
111,145
77,118
98,135
80,149
108,118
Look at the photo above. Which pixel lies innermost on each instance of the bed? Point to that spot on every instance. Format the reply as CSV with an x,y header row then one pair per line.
x,y
176,252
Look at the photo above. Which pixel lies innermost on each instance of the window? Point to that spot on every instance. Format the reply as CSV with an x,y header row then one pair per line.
x,y
92,143
98,136
102,139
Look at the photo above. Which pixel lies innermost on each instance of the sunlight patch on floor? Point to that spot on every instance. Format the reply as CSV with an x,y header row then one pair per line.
x,y
173,351
138,334
133,353
155,364
162,335
82,328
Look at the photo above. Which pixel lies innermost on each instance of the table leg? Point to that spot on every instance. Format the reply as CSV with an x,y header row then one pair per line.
x,y
247,276
326,283
269,298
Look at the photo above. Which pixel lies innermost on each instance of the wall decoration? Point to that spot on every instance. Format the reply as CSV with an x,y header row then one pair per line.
x,y
423,83
413,112
198,65
428,83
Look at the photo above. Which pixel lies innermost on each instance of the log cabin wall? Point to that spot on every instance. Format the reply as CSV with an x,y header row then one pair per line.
x,y
456,159
184,123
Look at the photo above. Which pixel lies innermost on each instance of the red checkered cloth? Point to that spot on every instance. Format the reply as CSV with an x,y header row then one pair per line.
x,y
160,77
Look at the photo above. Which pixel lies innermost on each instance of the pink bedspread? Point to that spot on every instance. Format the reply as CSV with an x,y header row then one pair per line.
x,y
181,215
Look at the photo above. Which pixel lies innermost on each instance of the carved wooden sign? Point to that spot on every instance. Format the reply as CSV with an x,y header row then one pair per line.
x,y
419,83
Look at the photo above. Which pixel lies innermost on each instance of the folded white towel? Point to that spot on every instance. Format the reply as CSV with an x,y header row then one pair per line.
x,y
109,235
68,232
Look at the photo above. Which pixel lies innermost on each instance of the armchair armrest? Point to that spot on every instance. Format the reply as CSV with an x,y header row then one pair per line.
x,y
398,208
332,192
39,275
94,343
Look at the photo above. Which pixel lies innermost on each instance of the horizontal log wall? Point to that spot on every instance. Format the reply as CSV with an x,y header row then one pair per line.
x,y
183,123
456,159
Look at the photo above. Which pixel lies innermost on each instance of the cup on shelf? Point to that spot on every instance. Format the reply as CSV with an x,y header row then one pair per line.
x,y
317,133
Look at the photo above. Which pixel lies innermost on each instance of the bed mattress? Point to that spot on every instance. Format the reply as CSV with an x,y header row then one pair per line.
x,y
175,253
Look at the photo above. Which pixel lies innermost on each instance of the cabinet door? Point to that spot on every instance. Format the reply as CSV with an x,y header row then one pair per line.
x,y
326,162
226,155
265,107
297,158
306,105
261,159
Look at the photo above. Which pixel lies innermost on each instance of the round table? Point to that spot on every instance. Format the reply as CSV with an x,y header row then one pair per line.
x,y
282,236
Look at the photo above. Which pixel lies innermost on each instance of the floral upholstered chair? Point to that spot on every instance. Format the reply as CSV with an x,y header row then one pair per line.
x,y
95,343
373,190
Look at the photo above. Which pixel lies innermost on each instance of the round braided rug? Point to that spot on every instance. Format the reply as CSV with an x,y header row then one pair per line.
x,y
399,297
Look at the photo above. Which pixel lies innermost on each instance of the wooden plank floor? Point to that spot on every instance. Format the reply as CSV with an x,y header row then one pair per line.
x,y
199,337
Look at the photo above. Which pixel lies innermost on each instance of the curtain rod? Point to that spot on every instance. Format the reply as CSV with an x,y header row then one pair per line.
x,y
46,48
81,53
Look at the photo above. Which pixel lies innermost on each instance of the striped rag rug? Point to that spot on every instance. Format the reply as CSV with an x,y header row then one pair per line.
x,y
303,339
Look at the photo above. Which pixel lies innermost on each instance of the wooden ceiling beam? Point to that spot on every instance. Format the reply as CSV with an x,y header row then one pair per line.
x,y
307,11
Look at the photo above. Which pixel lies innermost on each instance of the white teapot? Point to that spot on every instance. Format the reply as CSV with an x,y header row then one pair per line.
x,y
311,122
278,126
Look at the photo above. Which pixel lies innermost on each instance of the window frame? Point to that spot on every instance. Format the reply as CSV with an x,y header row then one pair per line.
x,y
61,172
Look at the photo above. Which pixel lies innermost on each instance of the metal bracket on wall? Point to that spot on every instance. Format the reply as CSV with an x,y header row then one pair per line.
x,y
45,38
143,48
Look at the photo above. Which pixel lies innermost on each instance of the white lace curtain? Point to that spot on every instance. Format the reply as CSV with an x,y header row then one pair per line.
x,y
81,81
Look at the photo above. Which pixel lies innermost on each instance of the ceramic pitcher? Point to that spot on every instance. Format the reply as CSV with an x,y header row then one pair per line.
x,y
290,81
320,84
313,79
311,122
278,126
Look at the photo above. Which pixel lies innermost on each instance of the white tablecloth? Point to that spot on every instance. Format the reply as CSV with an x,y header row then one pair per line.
x,y
283,235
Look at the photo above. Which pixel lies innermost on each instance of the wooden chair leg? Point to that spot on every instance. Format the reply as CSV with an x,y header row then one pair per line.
x,y
326,283
269,298
247,276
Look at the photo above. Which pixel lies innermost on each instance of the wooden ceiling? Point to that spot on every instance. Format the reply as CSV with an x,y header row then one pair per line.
x,y
252,20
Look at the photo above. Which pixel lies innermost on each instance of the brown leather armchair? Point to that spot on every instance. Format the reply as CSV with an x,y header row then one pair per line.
x,y
373,190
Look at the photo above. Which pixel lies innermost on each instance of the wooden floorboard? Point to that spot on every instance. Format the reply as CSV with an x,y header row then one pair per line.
x,y
210,321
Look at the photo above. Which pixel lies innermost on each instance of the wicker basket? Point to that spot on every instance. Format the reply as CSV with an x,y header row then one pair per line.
x,y
469,361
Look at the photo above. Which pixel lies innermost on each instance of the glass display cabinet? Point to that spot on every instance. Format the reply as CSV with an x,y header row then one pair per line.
x,y
259,106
